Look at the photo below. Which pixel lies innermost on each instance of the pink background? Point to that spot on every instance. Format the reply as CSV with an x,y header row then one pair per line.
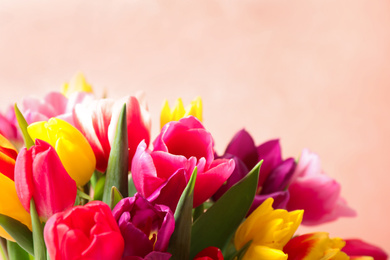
x,y
314,73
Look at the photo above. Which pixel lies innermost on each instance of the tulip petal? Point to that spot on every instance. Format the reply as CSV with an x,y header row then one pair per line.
x,y
243,147
270,152
357,247
144,172
207,183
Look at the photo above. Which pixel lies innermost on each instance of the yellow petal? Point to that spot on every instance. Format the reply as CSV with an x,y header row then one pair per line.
x,y
165,115
268,227
71,146
178,111
255,252
77,83
11,206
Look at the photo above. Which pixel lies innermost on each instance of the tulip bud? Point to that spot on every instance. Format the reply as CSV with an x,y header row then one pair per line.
x,y
146,228
39,174
315,246
178,111
71,146
269,230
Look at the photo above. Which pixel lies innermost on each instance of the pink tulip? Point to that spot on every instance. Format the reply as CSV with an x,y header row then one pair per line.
x,y
54,104
84,232
8,126
162,174
39,174
98,120
357,248
316,193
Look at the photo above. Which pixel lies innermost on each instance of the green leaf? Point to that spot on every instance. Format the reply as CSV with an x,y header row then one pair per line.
x,y
118,162
179,245
23,127
83,195
3,248
39,243
198,211
116,196
132,189
15,252
238,255
217,225
19,232
99,188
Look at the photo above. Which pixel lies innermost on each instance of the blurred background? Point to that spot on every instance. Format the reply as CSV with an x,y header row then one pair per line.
x,y
313,73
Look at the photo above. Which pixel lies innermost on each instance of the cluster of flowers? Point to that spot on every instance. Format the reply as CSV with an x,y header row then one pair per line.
x,y
86,185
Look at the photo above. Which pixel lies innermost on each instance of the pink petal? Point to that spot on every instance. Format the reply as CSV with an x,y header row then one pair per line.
x,y
357,247
144,172
207,183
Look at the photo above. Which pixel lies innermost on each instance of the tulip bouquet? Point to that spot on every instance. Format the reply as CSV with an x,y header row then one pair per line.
x,y
80,180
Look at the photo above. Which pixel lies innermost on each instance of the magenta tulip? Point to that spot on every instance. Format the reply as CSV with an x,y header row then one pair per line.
x,y
358,248
39,174
162,174
84,232
316,193
98,120
146,228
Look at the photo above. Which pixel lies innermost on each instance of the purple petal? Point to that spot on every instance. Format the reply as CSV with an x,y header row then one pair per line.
x,y
243,146
270,152
279,177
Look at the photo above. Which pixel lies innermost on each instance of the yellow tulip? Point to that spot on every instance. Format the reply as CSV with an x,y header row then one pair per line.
x,y
9,201
178,111
269,230
71,146
77,83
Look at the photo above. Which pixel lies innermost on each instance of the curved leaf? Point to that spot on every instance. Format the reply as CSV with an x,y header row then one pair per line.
x,y
216,226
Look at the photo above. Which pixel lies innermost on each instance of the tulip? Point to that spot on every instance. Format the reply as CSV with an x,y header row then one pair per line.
x,y
316,193
178,111
209,253
275,173
357,249
84,232
146,228
8,155
9,201
315,246
71,146
39,174
77,84
162,174
8,126
98,120
54,104
268,230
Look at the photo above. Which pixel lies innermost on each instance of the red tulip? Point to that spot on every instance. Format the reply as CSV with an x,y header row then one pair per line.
x,y
39,174
84,232
98,120
209,253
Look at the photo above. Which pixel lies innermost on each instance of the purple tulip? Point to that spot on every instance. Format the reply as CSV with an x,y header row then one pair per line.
x,y
146,228
275,174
